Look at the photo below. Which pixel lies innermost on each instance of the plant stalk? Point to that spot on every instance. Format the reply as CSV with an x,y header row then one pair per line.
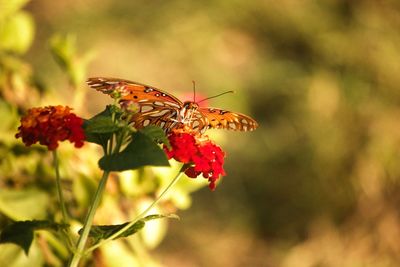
x,y
65,217
89,221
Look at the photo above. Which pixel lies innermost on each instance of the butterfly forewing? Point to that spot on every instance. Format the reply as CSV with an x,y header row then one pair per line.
x,y
223,119
134,91
156,107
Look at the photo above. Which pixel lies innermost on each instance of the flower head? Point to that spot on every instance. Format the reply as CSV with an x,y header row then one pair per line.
x,y
51,124
183,147
207,158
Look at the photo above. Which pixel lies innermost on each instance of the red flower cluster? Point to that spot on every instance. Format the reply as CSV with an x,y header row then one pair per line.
x,y
207,158
49,125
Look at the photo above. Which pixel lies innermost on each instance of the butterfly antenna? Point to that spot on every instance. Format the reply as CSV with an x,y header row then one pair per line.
x,y
227,92
194,91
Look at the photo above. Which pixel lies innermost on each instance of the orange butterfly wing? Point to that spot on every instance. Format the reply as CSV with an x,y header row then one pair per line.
x,y
156,107
223,119
133,91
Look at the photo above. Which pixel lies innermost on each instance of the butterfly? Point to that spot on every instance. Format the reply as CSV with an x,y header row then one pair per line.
x,y
157,107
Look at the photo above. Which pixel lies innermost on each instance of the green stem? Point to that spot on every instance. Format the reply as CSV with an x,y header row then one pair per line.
x,y
142,214
119,141
111,144
65,217
89,221
59,189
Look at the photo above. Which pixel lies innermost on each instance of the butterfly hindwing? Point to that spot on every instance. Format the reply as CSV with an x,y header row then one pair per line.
x,y
163,117
199,122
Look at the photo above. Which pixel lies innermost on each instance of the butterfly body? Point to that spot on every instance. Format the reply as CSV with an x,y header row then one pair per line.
x,y
160,108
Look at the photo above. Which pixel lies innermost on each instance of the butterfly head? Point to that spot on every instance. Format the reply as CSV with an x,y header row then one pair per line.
x,y
190,105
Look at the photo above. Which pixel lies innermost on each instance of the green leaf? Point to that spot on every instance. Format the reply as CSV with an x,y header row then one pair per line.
x,y
160,216
12,256
96,138
99,128
156,133
141,151
21,232
99,232
16,32
23,204
101,124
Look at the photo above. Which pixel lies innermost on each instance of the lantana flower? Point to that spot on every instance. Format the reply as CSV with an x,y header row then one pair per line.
x,y
204,156
49,125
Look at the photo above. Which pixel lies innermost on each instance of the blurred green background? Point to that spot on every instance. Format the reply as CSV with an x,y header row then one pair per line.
x,y
317,184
